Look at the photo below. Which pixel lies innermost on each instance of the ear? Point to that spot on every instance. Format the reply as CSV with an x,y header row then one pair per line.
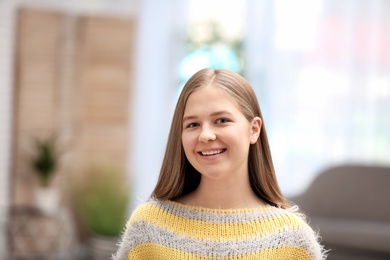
x,y
255,129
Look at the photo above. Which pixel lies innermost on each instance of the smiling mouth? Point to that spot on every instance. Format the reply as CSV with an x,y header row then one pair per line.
x,y
210,153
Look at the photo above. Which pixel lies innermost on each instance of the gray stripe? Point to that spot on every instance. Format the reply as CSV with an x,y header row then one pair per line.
x,y
219,216
142,232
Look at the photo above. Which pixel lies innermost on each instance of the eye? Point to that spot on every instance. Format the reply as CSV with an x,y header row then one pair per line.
x,y
192,125
222,120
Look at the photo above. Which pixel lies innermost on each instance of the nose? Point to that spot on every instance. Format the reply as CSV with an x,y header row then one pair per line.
x,y
207,134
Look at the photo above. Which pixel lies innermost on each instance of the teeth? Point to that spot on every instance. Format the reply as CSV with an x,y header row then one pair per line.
x,y
212,152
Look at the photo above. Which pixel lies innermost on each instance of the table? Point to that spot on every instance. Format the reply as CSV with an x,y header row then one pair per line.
x,y
35,235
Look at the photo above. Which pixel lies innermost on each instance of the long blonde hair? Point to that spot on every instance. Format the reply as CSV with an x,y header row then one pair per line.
x,y
178,177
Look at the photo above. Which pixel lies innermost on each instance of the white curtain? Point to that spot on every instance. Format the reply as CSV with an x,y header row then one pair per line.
x,y
321,72
159,48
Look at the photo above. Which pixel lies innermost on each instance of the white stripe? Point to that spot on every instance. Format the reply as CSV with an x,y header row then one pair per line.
x,y
143,232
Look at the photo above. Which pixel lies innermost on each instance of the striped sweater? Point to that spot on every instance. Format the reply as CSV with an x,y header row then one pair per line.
x,y
170,230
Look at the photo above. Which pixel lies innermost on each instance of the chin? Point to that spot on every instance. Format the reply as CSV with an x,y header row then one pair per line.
x,y
213,175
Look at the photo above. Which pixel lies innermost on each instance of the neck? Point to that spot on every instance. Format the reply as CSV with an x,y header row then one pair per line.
x,y
223,195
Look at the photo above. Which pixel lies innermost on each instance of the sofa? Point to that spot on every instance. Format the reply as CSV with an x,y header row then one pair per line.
x,y
349,205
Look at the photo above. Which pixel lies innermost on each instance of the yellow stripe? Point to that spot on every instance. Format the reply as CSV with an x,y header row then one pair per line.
x,y
155,251
214,231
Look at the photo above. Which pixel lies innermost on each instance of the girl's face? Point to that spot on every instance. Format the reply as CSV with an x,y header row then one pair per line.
x,y
216,135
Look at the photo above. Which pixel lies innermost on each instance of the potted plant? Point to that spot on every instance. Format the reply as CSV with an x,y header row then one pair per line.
x,y
101,201
44,162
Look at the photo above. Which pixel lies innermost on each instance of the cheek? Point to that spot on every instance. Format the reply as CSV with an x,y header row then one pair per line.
x,y
186,141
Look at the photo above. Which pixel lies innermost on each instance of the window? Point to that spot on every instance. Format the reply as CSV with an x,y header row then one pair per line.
x,y
214,36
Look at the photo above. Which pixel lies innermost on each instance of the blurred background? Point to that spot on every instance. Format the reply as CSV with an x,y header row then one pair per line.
x,y
88,88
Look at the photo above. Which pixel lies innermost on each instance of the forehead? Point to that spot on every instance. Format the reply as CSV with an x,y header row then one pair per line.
x,y
209,98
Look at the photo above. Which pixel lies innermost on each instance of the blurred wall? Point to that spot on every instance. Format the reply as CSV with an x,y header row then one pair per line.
x,y
72,80
6,81
47,54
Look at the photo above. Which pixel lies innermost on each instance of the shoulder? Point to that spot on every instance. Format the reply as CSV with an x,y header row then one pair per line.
x,y
142,211
149,210
147,221
295,217
294,220
299,229
139,228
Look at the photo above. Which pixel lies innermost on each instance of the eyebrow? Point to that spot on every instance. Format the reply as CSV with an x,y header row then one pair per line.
x,y
222,112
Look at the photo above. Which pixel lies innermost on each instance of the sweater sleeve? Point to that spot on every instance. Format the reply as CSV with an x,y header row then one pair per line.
x,y
311,242
129,238
308,237
124,245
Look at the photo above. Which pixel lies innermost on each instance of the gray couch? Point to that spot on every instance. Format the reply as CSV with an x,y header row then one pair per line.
x,y
350,206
